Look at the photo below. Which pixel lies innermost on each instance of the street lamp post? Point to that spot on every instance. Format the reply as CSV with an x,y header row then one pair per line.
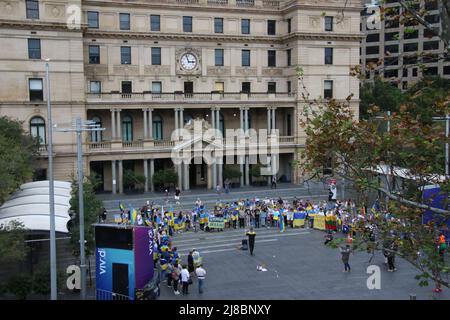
x,y
81,126
53,285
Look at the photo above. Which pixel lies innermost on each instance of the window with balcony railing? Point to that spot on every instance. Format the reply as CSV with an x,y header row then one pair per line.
x,y
245,3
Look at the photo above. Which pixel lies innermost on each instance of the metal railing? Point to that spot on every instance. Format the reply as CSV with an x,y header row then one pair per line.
x,y
108,295
197,96
245,3
218,2
271,4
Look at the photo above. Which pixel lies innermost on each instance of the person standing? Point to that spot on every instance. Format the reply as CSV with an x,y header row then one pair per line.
x,y
251,240
177,195
191,268
227,186
274,183
176,278
185,277
257,217
241,217
201,274
345,252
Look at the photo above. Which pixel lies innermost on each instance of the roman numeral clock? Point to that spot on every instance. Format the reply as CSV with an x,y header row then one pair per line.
x,y
188,61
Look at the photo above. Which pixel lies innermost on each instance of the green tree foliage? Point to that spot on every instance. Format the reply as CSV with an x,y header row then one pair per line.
x,y
165,177
231,172
382,94
92,208
133,180
17,153
21,285
12,243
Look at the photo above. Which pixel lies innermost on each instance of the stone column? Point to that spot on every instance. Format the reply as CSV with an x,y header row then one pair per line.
x,y
214,174
209,177
186,176
120,177
113,180
119,125
152,171
180,176
220,174
145,124
146,175
241,168
218,118
242,117
113,124
176,118
213,121
273,120
268,120
246,119
150,123
247,171
181,119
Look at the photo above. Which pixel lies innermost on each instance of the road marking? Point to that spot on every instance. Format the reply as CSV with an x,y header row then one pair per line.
x,y
240,234
229,244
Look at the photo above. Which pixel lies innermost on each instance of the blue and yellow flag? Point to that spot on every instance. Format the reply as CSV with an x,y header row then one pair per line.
x,y
133,215
281,222
121,207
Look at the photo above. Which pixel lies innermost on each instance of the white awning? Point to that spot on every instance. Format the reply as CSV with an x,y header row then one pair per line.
x,y
30,205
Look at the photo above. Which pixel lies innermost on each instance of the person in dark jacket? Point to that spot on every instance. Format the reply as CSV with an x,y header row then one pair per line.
x,y
191,268
345,252
251,240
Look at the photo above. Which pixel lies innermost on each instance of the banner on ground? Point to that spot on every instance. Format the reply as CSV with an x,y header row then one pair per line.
x,y
331,223
217,223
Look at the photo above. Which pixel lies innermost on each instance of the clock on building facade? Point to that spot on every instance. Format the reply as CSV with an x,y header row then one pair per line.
x,y
188,61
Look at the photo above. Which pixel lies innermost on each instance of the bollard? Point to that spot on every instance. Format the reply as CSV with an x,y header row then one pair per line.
x,y
412,297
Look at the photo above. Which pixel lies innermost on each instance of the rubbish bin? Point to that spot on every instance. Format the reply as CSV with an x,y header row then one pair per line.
x,y
244,244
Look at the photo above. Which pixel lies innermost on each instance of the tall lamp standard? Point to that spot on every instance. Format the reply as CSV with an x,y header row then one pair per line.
x,y
53,286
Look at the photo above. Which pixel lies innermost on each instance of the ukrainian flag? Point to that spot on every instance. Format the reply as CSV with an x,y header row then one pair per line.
x,y
179,224
299,219
133,215
121,207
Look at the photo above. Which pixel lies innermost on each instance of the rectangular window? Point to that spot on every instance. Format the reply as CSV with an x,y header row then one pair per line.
x,y
405,73
271,58
271,27
373,37
328,55
218,57
187,24
328,89
328,23
431,45
127,87
245,26
289,87
125,55
271,87
373,50
32,7
391,36
124,21
94,54
155,23
414,72
156,87
288,57
35,90
34,49
393,48
391,74
95,87
218,25
92,19
413,34
219,87
246,87
156,56
289,25
246,58
410,47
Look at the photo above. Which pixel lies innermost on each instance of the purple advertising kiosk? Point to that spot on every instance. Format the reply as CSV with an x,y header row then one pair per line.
x,y
124,260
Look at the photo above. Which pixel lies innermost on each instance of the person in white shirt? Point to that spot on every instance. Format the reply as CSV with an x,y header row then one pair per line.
x,y
185,279
201,274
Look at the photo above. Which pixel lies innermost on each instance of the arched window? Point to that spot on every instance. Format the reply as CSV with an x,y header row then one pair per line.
x,y
157,128
37,129
96,136
221,123
127,128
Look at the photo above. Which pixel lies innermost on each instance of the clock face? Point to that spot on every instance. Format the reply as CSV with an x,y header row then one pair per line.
x,y
188,61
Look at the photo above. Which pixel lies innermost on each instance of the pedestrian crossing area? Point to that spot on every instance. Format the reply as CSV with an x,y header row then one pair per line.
x,y
228,240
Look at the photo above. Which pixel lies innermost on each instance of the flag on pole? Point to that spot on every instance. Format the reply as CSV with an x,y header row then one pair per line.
x,y
281,222
121,207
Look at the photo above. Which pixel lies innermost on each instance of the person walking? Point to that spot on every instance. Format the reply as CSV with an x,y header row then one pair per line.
x,y
345,252
176,278
191,268
227,186
274,183
391,256
185,278
201,274
251,240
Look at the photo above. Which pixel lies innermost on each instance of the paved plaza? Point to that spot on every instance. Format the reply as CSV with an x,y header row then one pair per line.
x,y
299,267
